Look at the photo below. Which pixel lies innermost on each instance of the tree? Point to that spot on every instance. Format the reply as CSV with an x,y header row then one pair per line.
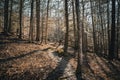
x,y
67,27
94,38
31,22
83,35
42,24
46,29
10,21
118,30
37,20
112,42
102,26
74,25
21,14
79,40
6,6
108,22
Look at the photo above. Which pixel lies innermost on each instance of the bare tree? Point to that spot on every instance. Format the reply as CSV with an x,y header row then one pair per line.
x,y
94,36
46,29
74,24
67,27
6,7
37,20
21,14
112,42
31,22
79,40
118,29
10,18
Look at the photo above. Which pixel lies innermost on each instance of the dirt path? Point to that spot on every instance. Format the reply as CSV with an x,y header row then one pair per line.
x,y
63,70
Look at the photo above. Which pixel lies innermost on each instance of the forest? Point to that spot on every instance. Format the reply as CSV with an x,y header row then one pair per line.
x,y
59,39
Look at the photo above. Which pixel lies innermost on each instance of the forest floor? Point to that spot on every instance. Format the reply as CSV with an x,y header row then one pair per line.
x,y
20,60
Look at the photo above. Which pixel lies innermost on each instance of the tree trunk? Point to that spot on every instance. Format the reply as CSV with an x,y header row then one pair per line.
x,y
42,26
74,25
79,34
112,43
37,20
67,27
94,40
21,13
102,32
118,30
83,35
31,22
6,6
10,21
108,26
46,29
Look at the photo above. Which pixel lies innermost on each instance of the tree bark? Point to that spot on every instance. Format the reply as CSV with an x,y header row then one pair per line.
x,y
21,14
108,26
10,21
6,6
46,28
79,34
118,30
112,42
31,22
94,40
67,27
37,20
74,24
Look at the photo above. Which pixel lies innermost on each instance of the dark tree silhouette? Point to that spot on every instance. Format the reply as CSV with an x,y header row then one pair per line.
x,y
67,27
6,7
37,20
21,14
31,22
112,42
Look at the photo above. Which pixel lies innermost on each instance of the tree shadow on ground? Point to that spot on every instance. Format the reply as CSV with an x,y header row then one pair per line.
x,y
5,42
114,72
59,70
46,49
87,65
11,39
18,57
28,74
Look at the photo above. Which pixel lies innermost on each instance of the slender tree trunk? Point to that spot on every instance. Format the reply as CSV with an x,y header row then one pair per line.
x,y
37,20
102,32
74,24
94,40
46,29
98,32
10,21
108,22
31,21
67,27
6,6
118,30
58,22
83,35
42,26
21,14
79,34
112,43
